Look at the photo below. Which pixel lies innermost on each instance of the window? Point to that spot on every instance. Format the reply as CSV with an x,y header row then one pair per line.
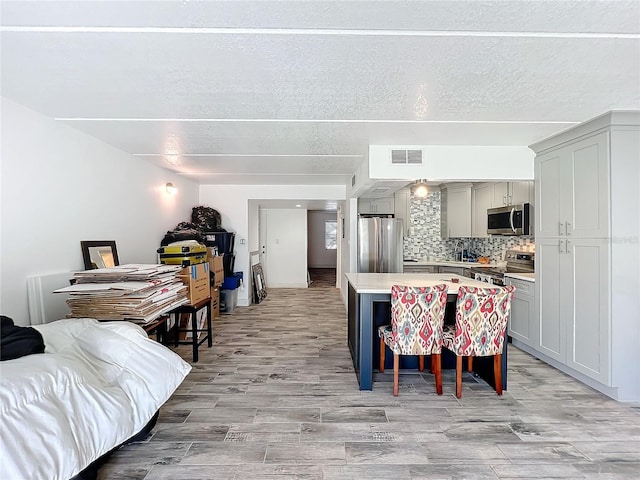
x,y
331,235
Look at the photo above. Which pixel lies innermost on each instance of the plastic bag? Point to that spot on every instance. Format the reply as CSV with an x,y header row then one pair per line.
x,y
206,219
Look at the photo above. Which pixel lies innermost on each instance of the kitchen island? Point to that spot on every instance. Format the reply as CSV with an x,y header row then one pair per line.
x,y
369,306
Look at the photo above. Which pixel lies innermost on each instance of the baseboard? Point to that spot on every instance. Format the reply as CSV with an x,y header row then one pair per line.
x,y
287,285
611,392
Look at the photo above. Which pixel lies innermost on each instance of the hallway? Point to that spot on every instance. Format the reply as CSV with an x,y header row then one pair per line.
x,y
276,398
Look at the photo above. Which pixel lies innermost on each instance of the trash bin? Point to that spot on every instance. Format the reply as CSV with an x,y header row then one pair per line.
x,y
229,292
228,300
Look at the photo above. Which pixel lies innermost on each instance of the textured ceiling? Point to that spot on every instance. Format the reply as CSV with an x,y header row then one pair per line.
x,y
294,92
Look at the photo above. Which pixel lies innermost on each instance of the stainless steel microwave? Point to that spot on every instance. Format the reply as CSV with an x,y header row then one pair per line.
x,y
510,220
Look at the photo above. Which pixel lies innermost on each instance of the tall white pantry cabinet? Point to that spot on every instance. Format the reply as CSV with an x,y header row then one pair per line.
x,y
587,226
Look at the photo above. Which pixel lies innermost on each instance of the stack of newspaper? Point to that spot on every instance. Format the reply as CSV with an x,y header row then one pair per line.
x,y
136,292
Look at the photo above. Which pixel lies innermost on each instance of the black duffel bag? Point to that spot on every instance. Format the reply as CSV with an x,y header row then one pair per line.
x,y
18,341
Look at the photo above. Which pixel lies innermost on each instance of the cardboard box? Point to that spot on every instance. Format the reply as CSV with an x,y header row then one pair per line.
x,y
196,278
216,266
215,302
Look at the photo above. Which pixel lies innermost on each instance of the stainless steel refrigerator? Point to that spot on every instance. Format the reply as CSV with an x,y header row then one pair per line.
x,y
380,247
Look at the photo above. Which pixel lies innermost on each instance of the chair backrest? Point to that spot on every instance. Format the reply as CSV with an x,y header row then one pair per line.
x,y
481,320
417,318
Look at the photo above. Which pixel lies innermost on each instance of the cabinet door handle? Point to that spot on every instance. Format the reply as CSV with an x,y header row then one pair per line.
x,y
569,247
562,246
560,226
504,200
568,227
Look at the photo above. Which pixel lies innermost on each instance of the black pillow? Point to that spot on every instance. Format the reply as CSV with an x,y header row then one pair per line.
x,y
18,341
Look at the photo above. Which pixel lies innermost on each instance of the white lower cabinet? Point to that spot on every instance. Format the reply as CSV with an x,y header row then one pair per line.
x,y
573,324
520,324
420,269
448,269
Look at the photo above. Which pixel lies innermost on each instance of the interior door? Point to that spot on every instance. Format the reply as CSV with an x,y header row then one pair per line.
x,y
286,246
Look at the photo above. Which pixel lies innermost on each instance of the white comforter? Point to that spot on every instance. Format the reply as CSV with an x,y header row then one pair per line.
x,y
96,385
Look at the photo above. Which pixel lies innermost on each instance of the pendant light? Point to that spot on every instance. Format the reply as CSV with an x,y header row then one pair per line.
x,y
420,188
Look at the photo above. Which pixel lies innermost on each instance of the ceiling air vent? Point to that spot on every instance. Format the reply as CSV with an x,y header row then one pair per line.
x,y
406,157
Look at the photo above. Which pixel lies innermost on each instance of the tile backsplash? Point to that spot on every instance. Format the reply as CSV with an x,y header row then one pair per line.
x,y
424,241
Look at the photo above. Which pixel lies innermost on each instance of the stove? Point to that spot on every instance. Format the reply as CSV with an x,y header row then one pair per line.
x,y
517,262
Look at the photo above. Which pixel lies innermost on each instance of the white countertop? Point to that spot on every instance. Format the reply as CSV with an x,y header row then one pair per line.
x,y
528,277
448,263
382,282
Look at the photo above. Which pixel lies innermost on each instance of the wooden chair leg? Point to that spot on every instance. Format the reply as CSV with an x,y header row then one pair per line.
x,y
469,364
432,364
421,363
396,374
497,372
458,376
438,371
382,354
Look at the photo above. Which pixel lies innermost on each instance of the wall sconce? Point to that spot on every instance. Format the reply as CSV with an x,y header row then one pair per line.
x,y
420,189
171,188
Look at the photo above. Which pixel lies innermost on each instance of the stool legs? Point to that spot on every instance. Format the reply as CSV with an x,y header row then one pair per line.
x,y
436,365
458,376
396,374
497,372
382,355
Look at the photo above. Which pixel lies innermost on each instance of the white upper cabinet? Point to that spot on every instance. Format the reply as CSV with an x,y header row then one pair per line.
x,y
573,190
520,192
490,195
402,201
482,198
377,206
455,214
512,193
500,194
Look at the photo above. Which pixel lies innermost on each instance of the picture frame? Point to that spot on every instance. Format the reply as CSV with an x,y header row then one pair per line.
x,y
99,254
259,284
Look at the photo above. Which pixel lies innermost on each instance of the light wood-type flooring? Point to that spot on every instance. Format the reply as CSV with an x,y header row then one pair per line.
x,y
277,398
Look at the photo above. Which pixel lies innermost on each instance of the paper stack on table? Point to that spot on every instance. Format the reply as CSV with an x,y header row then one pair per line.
x,y
136,292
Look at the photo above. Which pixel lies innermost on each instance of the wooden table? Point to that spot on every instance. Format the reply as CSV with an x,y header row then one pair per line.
x,y
369,300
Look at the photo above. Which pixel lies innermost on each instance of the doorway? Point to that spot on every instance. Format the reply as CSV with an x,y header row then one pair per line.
x,y
323,246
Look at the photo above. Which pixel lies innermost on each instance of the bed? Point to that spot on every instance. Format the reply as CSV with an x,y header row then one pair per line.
x,y
96,385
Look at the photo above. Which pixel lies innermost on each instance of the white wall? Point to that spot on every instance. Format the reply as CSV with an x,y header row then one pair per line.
x,y
60,186
232,201
286,252
455,162
317,255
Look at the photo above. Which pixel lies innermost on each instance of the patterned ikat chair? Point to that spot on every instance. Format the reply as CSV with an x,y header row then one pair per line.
x,y
481,322
417,318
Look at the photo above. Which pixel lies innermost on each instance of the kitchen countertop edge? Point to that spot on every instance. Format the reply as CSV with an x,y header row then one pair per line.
x,y
527,277
382,282
448,263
